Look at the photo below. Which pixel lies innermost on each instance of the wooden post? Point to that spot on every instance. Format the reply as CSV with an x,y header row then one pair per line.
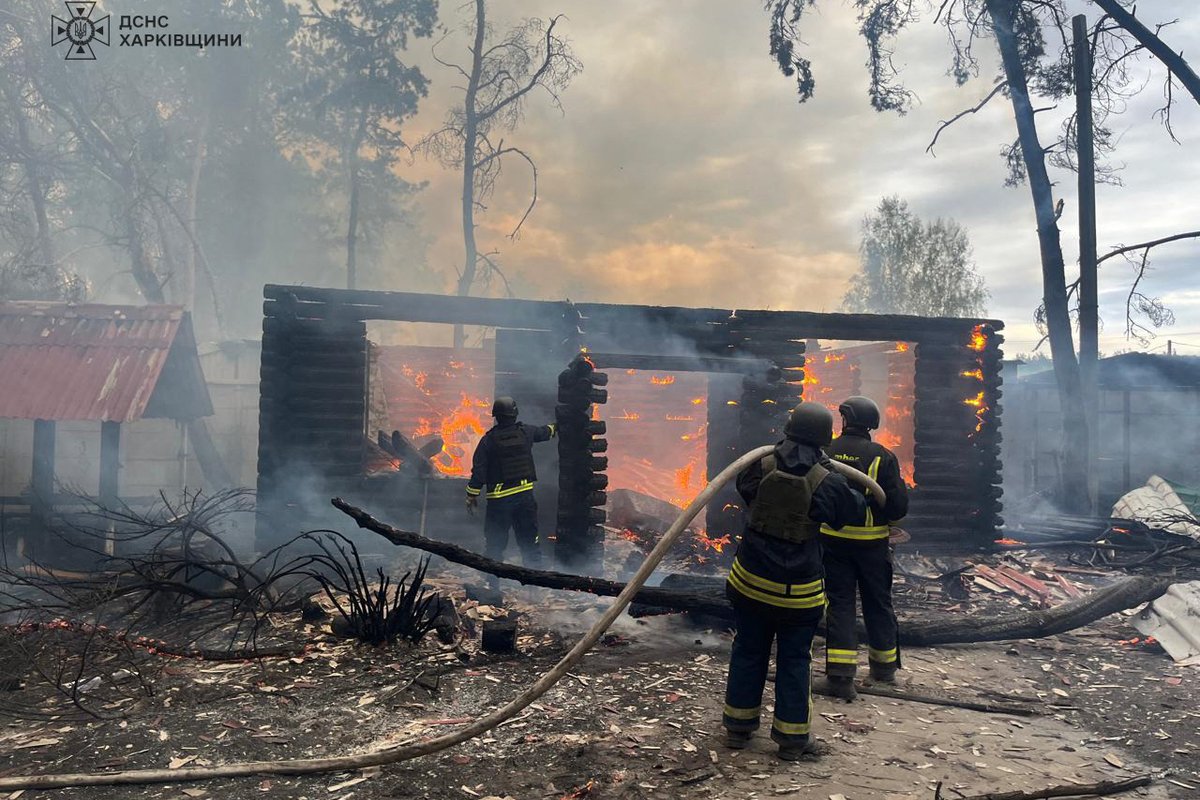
x,y
1089,345
110,476
110,463
43,474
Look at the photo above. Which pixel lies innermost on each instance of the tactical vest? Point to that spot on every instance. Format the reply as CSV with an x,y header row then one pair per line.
x,y
515,455
781,507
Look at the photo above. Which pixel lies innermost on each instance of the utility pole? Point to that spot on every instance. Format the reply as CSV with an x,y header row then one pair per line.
x,y
1170,349
1089,312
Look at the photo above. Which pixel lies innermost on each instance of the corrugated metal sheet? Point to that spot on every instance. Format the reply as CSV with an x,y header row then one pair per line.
x,y
1174,619
82,362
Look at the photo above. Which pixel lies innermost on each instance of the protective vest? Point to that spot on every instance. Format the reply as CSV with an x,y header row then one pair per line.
x,y
514,454
781,506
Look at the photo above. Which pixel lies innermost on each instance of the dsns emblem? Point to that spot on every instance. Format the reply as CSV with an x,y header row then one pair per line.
x,y
80,30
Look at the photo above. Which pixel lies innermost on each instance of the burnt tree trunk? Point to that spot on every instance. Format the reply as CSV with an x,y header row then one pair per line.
x,y
1054,282
470,147
707,595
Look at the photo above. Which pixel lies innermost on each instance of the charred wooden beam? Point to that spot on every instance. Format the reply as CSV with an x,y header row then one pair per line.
x,y
1122,594
746,366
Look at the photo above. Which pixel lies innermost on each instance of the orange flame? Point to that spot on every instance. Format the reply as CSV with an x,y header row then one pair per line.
x,y
978,339
716,544
902,347
981,408
1009,541
460,431
697,401
977,374
664,380
629,415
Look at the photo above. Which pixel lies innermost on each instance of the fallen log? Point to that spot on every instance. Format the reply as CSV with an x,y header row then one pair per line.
x,y
1066,790
715,604
707,595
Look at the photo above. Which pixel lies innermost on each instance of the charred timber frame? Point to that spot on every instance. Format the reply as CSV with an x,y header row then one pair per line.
x,y
314,376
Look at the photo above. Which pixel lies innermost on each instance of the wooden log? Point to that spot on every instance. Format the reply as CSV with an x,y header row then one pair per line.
x,y
1118,596
663,363
1100,789
343,304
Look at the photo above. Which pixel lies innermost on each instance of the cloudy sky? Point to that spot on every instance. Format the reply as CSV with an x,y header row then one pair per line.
x,y
683,171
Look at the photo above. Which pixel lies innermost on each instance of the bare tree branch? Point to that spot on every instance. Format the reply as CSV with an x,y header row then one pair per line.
x,y
1148,245
973,110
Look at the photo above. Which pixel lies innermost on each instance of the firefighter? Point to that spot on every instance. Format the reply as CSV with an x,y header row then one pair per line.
x,y
775,583
858,558
502,470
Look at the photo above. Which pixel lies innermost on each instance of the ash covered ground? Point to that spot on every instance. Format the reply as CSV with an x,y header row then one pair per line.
x,y
639,718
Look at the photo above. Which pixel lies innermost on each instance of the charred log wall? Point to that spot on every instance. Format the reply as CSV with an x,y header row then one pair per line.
x,y
957,427
314,386
312,417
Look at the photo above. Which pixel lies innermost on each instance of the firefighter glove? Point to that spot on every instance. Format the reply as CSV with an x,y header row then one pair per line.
x,y
472,504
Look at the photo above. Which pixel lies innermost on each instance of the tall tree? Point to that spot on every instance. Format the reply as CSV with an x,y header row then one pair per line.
x,y
914,267
358,91
500,77
1034,43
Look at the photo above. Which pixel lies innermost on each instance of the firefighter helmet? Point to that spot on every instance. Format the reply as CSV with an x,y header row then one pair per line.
x,y
860,412
810,423
504,408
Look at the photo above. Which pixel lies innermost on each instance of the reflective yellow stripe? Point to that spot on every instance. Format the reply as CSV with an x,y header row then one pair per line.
x,y
791,728
742,713
869,530
882,656
859,534
872,473
777,588
499,491
812,601
471,490
553,429
834,656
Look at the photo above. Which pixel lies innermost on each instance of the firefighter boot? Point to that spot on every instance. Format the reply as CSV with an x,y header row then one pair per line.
x,y
837,686
797,751
737,740
883,673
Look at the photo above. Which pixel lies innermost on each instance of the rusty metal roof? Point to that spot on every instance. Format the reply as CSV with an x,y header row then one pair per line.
x,y
60,361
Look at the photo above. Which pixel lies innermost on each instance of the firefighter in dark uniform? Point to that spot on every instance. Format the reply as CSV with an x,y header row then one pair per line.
x,y
775,582
858,558
502,470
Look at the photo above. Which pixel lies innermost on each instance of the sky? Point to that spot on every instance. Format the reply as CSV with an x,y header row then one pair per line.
x,y
682,170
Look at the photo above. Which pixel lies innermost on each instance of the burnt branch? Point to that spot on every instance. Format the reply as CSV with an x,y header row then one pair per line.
x,y
973,110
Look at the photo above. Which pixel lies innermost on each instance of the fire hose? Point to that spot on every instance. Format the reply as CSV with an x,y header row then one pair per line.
x,y
408,751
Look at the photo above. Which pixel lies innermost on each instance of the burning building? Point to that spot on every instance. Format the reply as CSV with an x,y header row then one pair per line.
x,y
676,394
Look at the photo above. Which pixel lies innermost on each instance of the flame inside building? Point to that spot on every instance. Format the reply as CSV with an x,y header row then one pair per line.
x,y
657,421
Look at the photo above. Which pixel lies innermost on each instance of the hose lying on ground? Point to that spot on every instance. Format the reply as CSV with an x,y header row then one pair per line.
x,y
405,752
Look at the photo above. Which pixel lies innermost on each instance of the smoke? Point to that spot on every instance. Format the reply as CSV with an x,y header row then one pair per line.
x,y
657,633
1147,419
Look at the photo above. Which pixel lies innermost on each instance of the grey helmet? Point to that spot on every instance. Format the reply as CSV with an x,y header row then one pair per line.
x,y
504,408
810,423
860,412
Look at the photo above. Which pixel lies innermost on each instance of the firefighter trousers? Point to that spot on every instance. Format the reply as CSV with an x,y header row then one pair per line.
x,y
517,513
757,626
859,569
